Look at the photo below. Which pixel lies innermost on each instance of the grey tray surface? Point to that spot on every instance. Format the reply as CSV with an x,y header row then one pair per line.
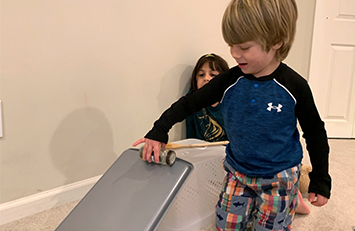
x,y
132,195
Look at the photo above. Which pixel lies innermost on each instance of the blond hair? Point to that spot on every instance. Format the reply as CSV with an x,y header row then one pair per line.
x,y
267,22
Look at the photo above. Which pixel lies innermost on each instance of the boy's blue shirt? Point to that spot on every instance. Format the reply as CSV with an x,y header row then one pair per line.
x,y
261,125
260,116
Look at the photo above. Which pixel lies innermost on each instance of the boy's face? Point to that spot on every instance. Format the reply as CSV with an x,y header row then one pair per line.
x,y
252,59
204,75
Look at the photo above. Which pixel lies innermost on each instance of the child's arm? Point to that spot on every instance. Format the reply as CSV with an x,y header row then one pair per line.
x,y
317,146
158,136
191,103
186,106
313,131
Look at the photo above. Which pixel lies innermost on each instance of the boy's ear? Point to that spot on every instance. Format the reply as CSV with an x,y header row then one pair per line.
x,y
277,45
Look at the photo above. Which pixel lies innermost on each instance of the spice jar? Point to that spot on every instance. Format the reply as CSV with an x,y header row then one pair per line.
x,y
166,157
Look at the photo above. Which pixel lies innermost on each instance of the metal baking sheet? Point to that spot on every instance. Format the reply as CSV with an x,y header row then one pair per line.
x,y
131,195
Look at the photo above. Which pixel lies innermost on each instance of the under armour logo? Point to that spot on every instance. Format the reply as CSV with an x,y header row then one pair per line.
x,y
278,108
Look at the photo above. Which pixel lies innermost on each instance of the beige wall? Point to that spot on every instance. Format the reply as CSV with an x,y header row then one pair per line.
x,y
82,80
300,54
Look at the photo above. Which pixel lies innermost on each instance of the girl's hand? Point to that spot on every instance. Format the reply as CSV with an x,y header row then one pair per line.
x,y
149,146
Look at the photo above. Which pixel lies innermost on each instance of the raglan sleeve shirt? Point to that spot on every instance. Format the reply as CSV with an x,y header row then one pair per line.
x,y
305,111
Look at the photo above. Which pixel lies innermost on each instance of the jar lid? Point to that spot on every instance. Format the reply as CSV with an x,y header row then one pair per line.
x,y
170,157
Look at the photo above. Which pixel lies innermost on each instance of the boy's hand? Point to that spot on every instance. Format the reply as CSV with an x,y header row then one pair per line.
x,y
319,201
149,146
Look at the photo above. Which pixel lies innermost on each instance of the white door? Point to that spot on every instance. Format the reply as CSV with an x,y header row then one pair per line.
x,y
332,69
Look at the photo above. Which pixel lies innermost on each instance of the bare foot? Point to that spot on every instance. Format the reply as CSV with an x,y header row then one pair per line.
x,y
302,208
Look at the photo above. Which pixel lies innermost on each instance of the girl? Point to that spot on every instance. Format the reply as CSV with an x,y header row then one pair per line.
x,y
207,124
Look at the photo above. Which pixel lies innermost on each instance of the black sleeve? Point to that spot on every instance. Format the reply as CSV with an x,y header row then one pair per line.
x,y
191,103
316,141
313,129
190,127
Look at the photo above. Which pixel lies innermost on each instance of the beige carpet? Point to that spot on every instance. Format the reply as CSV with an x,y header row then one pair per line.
x,y
337,215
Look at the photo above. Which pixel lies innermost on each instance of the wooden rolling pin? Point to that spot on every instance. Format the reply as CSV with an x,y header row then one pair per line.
x,y
176,146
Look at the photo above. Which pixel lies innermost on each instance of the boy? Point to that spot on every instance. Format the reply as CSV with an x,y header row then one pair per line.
x,y
262,100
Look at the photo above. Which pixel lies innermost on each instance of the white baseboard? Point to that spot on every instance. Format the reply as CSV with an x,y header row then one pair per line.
x,y
27,206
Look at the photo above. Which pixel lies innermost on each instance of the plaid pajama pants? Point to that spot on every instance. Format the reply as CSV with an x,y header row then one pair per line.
x,y
257,203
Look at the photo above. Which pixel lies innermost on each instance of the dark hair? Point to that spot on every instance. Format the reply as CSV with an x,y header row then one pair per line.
x,y
215,62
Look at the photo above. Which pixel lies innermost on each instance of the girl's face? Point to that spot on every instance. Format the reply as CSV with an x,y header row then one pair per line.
x,y
204,75
252,59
